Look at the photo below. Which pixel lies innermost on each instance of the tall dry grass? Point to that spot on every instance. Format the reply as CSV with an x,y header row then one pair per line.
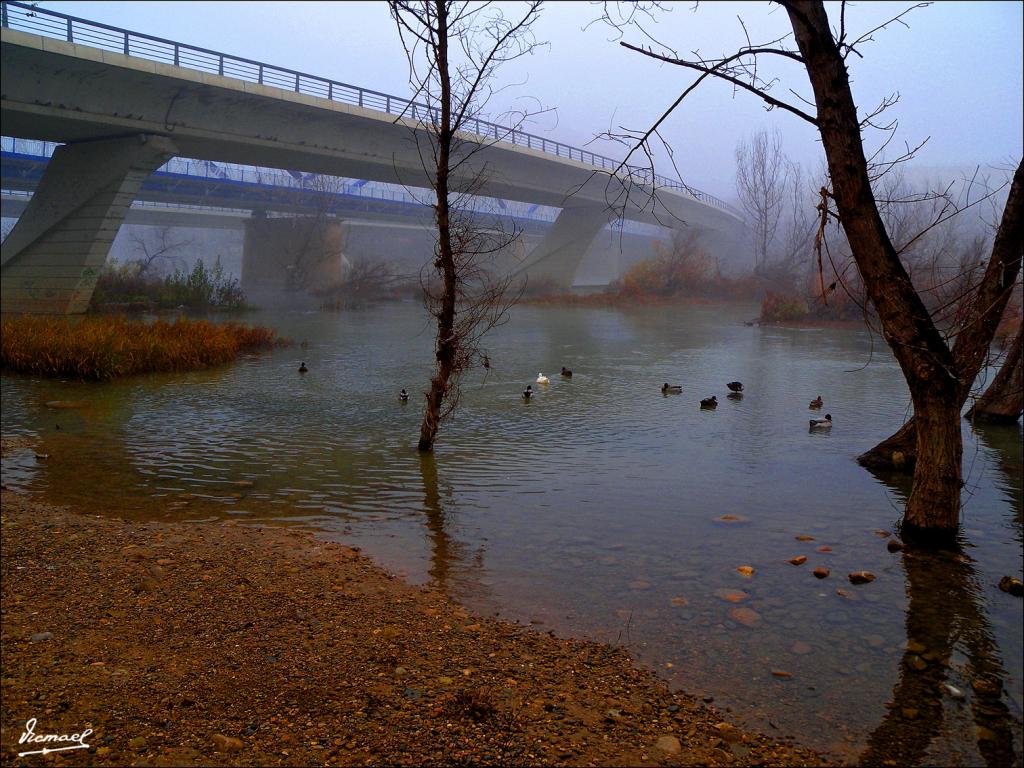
x,y
102,348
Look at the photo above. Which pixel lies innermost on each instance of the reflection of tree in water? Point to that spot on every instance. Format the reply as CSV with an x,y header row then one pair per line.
x,y
1003,440
945,613
445,552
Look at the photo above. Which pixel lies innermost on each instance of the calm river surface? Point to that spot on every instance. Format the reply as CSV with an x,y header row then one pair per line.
x,y
595,508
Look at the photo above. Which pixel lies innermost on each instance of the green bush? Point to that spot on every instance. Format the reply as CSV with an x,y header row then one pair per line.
x,y
202,288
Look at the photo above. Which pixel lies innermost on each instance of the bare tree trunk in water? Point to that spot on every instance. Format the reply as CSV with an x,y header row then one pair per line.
x,y
445,350
462,294
1003,401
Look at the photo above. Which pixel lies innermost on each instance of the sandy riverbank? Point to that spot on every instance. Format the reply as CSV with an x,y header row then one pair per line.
x,y
219,644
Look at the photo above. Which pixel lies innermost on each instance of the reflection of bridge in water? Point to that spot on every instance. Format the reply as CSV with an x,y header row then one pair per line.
x,y
123,103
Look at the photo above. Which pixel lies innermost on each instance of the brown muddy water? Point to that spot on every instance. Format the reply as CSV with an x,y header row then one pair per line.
x,y
595,509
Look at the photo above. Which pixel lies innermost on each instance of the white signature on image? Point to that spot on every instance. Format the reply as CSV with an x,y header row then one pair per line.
x,y
74,740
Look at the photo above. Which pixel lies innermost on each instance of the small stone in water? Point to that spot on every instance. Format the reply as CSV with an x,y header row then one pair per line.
x,y
745,616
731,595
861,577
820,573
954,692
799,560
824,548
894,546
781,673
1012,586
680,601
746,570
804,537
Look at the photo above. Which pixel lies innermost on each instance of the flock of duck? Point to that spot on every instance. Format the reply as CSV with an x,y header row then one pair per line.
x,y
736,392
708,403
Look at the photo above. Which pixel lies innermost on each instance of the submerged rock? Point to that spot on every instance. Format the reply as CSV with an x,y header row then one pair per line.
x,y
893,545
745,616
821,573
799,560
745,570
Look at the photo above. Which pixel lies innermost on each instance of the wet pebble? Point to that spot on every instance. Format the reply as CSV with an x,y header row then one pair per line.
x,y
893,545
1012,586
745,616
798,560
745,570
227,743
861,577
137,744
669,745
820,573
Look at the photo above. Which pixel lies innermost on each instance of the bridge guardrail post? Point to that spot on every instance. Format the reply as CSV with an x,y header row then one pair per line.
x,y
127,46
177,55
3,14
220,65
259,75
71,34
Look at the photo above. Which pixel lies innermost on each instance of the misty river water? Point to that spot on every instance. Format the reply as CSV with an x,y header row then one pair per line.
x,y
595,508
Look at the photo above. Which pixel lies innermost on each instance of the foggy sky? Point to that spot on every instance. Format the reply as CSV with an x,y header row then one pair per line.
x,y
958,70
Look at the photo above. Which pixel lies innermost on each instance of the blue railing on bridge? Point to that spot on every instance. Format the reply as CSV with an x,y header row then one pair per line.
x,y
28,18
309,182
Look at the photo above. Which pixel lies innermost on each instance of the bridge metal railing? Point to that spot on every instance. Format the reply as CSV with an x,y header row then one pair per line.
x,y
300,181
28,18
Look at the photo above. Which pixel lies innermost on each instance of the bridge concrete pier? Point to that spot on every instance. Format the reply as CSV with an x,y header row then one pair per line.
x,y
53,256
286,259
555,259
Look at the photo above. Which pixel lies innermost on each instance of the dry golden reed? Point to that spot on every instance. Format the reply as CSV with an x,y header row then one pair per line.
x,y
108,347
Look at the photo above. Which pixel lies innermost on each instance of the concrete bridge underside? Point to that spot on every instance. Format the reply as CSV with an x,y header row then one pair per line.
x,y
136,113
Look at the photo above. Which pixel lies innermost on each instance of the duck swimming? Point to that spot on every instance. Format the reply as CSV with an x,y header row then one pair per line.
x,y
542,379
303,368
709,402
816,402
825,423
403,395
566,372
735,386
671,389
528,392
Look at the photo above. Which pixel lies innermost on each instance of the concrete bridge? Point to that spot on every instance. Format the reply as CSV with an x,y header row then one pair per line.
x,y
123,103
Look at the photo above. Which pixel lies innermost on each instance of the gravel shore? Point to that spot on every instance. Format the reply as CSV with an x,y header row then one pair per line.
x,y
224,644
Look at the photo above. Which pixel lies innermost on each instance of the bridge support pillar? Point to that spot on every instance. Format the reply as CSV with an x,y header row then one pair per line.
x,y
53,256
555,258
286,259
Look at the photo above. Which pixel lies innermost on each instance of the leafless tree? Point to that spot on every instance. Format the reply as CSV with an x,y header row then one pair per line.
x,y
312,244
939,367
454,49
160,251
762,179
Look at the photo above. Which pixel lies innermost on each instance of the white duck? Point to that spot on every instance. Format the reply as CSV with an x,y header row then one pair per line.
x,y
542,379
825,423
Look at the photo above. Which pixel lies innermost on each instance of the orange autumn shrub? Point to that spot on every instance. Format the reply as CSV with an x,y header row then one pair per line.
x,y
107,347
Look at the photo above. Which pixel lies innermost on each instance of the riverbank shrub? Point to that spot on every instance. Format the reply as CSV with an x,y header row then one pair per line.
x,y
107,347
125,286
